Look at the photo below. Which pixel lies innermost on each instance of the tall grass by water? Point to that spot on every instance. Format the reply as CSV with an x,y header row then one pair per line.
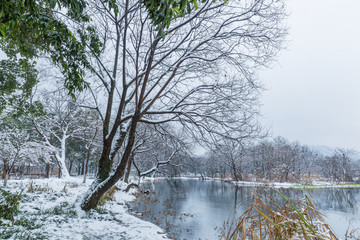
x,y
267,219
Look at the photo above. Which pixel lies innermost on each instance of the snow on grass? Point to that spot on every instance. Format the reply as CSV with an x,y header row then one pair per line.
x,y
51,209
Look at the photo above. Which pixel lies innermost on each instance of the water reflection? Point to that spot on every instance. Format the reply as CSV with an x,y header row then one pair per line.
x,y
192,209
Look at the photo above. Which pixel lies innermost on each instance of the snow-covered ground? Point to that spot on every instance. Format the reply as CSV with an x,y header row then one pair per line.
x,y
51,208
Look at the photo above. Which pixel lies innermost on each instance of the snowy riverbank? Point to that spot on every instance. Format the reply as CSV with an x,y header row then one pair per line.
x,y
315,184
51,208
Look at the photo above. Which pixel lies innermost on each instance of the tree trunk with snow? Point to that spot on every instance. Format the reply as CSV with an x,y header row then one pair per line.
x,y
64,173
104,180
61,159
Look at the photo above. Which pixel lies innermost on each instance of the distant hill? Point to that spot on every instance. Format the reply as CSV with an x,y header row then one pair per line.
x,y
328,151
323,150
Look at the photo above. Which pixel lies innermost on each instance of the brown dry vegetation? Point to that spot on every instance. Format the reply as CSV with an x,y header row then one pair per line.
x,y
265,219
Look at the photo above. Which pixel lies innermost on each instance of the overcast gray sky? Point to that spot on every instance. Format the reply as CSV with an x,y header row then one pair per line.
x,y
314,94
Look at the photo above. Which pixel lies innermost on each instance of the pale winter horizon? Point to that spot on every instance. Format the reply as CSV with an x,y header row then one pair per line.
x,y
313,91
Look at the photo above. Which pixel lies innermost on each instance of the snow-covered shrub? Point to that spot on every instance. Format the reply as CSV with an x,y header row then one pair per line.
x,y
11,228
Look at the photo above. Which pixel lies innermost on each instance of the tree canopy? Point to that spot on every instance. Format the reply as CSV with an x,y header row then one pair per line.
x,y
29,28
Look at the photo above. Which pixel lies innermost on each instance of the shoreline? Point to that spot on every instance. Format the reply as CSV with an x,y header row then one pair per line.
x,y
315,185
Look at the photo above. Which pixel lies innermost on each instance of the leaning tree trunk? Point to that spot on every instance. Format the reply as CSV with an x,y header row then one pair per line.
x,y
104,181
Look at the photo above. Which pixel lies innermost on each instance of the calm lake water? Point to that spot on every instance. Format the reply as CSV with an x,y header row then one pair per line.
x,y
194,209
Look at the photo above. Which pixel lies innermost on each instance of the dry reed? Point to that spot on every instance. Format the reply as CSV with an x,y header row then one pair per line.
x,y
265,219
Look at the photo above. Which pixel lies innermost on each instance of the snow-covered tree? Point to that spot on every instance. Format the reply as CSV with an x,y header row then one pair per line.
x,y
338,166
231,154
60,122
192,74
16,148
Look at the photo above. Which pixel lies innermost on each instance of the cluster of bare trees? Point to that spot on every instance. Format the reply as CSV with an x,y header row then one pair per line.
x,y
15,150
340,166
55,139
278,160
67,138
